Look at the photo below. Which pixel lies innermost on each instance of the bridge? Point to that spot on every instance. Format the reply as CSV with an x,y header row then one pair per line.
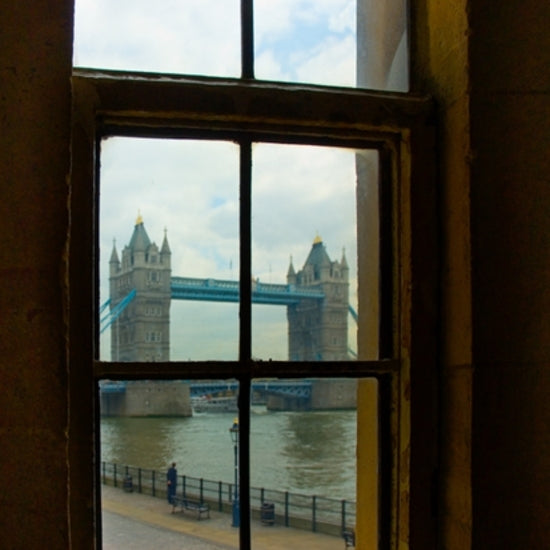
x,y
290,388
299,389
215,290
142,287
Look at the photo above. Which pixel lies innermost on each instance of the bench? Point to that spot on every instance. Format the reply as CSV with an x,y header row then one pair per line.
x,y
185,503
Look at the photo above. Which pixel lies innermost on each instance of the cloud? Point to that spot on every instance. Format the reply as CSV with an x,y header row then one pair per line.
x,y
297,192
164,36
336,54
289,35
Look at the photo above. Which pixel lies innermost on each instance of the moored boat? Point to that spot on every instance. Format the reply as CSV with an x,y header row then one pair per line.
x,y
214,404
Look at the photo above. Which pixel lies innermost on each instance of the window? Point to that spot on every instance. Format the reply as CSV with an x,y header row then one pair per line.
x,y
391,139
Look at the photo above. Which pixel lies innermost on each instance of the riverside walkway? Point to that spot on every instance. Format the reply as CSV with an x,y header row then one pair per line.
x,y
133,521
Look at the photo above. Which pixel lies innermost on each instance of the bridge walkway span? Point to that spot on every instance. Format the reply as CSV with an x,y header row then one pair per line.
x,y
217,290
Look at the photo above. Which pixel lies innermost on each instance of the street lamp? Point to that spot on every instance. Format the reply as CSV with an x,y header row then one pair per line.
x,y
234,432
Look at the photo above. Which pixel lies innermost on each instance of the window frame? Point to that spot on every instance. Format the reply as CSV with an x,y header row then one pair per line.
x,y
402,128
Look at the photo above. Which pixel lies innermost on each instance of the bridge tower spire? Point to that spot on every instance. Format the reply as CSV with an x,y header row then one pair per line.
x,y
142,331
318,330
291,274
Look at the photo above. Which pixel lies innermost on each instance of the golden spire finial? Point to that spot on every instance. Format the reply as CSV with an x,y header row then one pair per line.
x,y
317,239
139,219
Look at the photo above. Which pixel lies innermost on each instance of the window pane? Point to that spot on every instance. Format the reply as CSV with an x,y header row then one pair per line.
x,y
169,250
193,37
303,447
305,41
304,253
146,426
303,460
333,42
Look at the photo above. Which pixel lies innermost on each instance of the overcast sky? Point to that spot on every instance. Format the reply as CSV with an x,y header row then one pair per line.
x,y
190,188
295,40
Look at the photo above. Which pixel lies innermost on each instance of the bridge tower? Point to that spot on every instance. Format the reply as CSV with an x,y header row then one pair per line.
x,y
318,329
142,331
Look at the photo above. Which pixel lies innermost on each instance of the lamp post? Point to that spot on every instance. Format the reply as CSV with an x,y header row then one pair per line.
x,y
234,432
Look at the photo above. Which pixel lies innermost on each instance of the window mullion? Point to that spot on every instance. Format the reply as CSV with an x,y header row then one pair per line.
x,y
245,275
247,39
244,463
245,337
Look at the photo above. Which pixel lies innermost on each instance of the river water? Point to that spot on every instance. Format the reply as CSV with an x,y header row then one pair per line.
x,y
300,452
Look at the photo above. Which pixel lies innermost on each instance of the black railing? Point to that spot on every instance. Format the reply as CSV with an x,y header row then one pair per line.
x,y
311,512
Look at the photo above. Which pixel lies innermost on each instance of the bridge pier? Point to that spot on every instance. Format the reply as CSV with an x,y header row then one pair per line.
x,y
333,394
279,402
148,398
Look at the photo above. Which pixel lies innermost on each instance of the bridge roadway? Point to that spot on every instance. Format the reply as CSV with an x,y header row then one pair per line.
x,y
293,388
300,389
217,290
132,521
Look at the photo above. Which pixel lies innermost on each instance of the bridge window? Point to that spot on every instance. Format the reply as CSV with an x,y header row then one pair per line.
x,y
153,276
221,177
153,336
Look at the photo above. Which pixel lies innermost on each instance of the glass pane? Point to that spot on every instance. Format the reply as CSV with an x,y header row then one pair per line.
x,y
169,250
333,42
148,426
304,252
193,37
305,41
303,447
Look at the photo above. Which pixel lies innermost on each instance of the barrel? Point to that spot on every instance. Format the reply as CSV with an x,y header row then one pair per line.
x,y
267,513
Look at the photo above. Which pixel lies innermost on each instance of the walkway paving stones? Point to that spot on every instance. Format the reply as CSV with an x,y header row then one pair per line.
x,y
140,522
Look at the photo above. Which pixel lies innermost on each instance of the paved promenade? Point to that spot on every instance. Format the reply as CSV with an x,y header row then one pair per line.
x,y
138,522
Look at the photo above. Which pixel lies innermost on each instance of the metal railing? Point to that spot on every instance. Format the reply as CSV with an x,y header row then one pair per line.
x,y
309,512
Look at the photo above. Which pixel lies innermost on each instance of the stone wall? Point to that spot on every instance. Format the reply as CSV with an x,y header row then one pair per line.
x,y
35,109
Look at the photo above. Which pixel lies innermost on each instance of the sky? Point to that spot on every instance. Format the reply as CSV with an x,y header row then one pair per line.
x,y
295,40
190,188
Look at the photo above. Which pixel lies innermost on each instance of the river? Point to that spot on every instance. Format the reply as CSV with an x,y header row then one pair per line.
x,y
299,452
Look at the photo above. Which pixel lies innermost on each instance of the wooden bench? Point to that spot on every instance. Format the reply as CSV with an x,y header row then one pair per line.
x,y
185,503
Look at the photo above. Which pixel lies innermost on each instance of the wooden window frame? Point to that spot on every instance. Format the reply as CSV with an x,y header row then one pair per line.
x,y
401,127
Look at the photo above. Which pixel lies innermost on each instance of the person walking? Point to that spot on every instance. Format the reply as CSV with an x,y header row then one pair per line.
x,y
171,482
